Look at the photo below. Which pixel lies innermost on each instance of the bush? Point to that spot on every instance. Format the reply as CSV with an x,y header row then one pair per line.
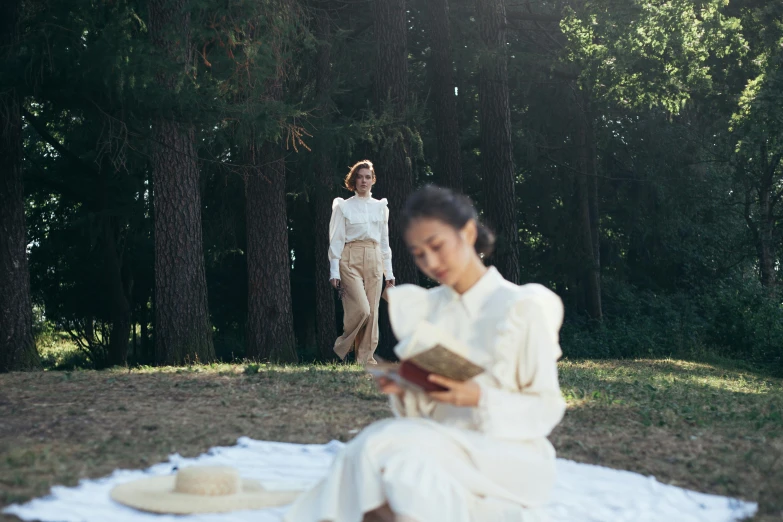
x,y
746,323
734,319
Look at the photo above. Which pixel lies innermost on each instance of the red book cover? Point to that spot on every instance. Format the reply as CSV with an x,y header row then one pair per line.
x,y
418,376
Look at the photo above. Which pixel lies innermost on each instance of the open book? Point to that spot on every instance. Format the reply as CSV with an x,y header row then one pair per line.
x,y
429,350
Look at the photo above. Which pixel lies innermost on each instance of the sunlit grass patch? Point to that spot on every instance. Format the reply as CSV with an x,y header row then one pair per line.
x,y
668,392
59,352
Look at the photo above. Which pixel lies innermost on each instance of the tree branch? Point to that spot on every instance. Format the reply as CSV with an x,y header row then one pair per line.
x,y
40,128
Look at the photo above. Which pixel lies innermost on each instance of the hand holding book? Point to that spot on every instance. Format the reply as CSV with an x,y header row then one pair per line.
x,y
432,361
388,386
466,393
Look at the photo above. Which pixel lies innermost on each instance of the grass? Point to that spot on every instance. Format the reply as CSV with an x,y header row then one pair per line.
x,y
59,352
715,428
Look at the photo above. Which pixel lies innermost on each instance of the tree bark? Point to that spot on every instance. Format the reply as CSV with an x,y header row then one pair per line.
x,y
17,346
765,236
183,333
395,174
497,160
119,304
118,295
270,327
586,193
394,168
144,341
444,103
322,200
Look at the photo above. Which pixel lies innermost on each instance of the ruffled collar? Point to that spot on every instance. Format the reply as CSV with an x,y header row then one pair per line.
x,y
476,296
363,198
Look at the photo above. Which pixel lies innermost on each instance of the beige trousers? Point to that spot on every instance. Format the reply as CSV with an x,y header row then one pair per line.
x,y
361,277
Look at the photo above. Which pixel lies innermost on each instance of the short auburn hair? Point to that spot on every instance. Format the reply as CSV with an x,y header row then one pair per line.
x,y
350,178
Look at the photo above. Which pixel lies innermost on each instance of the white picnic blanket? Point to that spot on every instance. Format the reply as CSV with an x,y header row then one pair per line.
x,y
583,493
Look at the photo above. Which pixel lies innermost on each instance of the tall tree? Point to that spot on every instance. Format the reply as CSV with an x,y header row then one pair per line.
x,y
270,324
270,327
757,127
395,174
761,176
497,160
587,205
322,198
119,291
444,104
17,348
182,327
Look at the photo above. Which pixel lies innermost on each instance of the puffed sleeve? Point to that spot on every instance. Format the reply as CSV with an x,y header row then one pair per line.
x,y
537,406
385,247
409,304
336,238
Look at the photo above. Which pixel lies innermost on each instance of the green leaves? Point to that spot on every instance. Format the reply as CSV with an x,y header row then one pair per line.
x,y
646,55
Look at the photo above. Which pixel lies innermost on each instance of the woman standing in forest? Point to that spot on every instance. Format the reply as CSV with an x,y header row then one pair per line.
x,y
359,254
477,451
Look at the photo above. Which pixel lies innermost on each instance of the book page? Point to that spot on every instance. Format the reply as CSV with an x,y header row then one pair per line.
x,y
442,361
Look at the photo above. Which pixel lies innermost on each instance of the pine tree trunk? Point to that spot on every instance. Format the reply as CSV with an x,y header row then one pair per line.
x,y
588,222
394,165
182,328
497,161
17,347
592,150
144,341
270,326
134,340
444,103
322,200
118,299
119,305
395,175
765,245
766,261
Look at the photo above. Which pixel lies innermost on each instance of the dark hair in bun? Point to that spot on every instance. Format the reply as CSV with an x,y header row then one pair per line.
x,y
433,202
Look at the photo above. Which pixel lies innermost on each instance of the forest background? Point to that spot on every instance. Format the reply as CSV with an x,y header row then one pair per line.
x,y
167,167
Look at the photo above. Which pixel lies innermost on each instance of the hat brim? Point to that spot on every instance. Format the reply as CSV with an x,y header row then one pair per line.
x,y
156,495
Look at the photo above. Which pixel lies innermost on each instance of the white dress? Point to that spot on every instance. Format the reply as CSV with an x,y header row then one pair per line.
x,y
435,462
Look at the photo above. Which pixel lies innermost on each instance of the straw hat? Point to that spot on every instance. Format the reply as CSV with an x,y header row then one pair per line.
x,y
199,489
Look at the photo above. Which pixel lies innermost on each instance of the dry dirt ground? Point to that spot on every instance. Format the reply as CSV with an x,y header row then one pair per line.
x,y
711,428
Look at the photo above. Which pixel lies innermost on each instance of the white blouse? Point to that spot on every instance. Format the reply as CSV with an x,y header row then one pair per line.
x,y
357,219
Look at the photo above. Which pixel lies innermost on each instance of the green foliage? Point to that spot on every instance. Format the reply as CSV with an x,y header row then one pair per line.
x,y
744,322
641,54
638,324
253,369
732,319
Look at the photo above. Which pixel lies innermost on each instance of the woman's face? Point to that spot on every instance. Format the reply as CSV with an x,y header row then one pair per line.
x,y
441,251
363,181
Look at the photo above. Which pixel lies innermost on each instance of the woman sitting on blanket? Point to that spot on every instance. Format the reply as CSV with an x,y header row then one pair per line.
x,y
478,451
